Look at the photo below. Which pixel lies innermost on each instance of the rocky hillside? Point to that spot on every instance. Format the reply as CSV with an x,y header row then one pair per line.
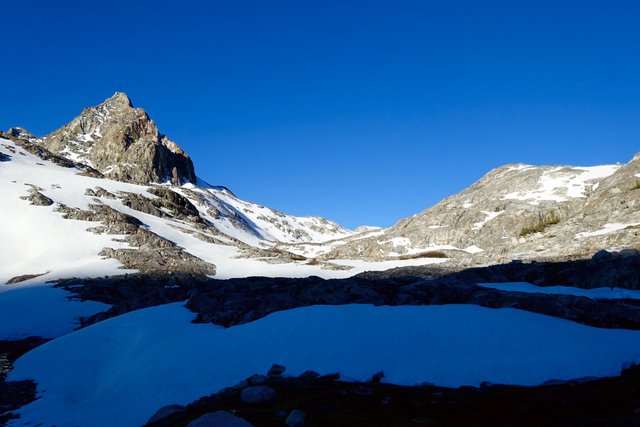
x,y
518,211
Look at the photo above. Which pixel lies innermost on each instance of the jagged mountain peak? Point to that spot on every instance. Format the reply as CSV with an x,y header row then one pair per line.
x,y
123,143
119,100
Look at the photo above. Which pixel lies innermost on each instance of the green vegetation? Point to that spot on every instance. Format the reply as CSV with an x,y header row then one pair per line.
x,y
541,225
428,254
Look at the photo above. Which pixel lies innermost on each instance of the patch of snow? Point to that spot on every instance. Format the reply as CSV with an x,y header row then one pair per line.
x,y
396,241
489,217
366,228
596,293
560,184
120,371
41,310
606,229
473,249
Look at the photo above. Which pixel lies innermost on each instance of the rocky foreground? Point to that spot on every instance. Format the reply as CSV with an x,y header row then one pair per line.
x,y
311,400
237,301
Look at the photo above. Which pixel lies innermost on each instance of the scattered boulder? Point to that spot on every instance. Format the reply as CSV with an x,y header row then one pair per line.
x,y
164,412
377,377
309,375
276,370
258,395
257,379
296,418
219,419
602,255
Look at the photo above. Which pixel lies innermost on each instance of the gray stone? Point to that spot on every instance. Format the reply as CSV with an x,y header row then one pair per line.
x,y
258,395
219,419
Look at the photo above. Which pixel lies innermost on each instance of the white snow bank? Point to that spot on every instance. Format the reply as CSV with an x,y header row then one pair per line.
x,y
606,229
596,293
561,183
489,216
121,371
42,311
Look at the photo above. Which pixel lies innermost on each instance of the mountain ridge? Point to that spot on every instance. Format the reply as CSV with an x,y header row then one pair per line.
x,y
516,211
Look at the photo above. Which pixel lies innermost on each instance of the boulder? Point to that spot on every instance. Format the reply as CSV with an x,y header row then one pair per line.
x,y
276,370
164,412
258,395
219,419
296,418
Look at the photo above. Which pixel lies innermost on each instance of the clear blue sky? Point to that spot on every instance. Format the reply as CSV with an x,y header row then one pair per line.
x,y
362,112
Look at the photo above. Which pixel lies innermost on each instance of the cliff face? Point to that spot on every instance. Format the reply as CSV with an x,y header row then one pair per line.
x,y
123,143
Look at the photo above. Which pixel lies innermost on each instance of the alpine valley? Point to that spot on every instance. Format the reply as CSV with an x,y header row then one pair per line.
x,y
134,293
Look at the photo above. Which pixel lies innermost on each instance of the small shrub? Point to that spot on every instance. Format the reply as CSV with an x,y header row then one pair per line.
x,y
428,254
541,225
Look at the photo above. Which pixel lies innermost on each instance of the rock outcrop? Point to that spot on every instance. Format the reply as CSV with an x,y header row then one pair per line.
x,y
123,143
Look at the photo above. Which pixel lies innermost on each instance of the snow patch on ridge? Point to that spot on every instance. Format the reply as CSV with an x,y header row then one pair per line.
x,y
561,183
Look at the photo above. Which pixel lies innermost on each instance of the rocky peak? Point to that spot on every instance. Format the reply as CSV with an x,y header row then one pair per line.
x,y
123,143
119,100
21,133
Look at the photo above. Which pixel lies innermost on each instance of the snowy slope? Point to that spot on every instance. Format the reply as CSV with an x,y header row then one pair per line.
x,y
37,240
121,371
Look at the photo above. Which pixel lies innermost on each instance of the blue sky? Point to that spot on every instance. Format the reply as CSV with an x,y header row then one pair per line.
x,y
362,112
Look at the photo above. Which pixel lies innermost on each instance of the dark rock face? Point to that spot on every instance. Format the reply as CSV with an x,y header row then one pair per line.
x,y
620,269
168,200
236,301
131,292
123,143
